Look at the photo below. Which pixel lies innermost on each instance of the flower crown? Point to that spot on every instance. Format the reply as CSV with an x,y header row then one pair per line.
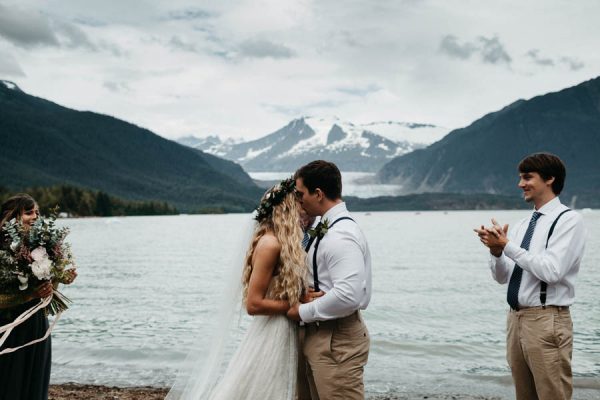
x,y
273,197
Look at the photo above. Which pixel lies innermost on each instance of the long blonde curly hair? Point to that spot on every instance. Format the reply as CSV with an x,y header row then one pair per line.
x,y
285,225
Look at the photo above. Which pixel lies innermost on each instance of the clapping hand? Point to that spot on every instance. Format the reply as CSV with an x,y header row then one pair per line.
x,y
493,237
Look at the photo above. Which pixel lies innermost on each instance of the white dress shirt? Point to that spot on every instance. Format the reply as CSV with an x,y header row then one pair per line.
x,y
343,268
557,265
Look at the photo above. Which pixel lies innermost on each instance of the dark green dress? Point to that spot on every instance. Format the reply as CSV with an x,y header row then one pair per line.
x,y
25,373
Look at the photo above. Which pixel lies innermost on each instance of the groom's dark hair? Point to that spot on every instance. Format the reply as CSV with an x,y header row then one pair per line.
x,y
324,175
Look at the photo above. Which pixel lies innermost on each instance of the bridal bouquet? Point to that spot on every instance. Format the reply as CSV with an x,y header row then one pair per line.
x,y
35,255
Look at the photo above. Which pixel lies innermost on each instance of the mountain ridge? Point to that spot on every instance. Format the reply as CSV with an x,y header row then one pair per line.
x,y
352,146
483,157
43,144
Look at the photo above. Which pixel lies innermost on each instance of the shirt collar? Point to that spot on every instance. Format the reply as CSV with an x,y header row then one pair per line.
x,y
549,206
335,211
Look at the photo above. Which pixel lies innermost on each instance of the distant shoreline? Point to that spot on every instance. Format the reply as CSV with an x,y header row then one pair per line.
x,y
75,391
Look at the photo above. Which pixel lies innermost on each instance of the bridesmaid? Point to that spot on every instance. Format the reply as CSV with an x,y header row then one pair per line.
x,y
25,373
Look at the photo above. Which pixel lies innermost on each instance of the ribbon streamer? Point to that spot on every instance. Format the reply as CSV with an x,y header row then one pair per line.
x,y
5,330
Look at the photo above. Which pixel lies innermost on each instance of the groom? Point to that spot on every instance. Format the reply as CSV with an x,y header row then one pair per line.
x,y
336,340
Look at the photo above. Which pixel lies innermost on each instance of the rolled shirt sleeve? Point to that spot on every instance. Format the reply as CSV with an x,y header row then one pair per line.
x,y
565,247
348,272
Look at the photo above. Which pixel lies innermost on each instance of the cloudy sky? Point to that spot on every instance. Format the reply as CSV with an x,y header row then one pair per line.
x,y
246,68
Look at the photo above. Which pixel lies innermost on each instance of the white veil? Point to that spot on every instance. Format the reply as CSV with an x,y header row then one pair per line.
x,y
200,373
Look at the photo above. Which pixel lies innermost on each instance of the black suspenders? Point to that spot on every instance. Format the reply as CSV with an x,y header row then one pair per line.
x,y
319,237
544,285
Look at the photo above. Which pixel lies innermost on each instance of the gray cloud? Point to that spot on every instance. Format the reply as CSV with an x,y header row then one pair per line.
x,y
177,43
261,48
288,111
26,30
9,66
303,109
112,48
116,86
189,14
359,91
451,47
73,37
90,21
30,29
572,63
534,54
490,50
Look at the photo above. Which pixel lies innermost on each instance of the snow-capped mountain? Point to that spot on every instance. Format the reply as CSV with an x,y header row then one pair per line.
x,y
352,147
424,134
211,144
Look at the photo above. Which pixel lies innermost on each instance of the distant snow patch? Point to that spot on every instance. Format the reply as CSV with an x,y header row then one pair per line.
x,y
10,85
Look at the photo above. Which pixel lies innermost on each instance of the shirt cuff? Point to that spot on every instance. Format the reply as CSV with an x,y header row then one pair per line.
x,y
512,250
495,259
306,312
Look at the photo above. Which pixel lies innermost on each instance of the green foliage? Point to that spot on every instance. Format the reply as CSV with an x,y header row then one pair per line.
x,y
78,202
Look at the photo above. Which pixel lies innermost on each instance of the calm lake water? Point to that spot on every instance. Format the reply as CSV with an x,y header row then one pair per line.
x,y
149,289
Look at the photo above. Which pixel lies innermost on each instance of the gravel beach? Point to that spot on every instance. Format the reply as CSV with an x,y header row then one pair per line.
x,y
71,391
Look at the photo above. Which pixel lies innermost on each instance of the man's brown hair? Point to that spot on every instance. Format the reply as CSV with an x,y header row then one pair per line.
x,y
324,175
547,165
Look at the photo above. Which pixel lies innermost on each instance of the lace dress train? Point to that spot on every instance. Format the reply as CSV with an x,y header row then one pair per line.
x,y
264,366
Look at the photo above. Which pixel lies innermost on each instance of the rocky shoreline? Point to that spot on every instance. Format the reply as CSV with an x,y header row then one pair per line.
x,y
73,391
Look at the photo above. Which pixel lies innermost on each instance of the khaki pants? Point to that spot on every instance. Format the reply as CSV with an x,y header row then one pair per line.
x,y
539,348
336,353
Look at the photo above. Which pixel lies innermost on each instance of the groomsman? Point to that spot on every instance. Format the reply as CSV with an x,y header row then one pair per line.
x,y
539,259
336,340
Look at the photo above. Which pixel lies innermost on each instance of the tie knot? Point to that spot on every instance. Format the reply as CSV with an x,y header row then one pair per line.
x,y
536,215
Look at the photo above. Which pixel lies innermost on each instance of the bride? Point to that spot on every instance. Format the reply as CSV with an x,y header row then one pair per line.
x,y
265,364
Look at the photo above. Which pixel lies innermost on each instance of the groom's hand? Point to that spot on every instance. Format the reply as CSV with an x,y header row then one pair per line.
x,y
310,295
294,313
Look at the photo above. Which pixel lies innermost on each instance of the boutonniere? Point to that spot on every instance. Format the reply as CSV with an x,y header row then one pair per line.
x,y
320,230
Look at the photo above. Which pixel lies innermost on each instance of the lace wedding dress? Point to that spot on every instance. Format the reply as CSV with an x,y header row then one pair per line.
x,y
264,366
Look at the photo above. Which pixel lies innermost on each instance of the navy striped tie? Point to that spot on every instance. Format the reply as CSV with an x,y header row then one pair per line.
x,y
512,296
305,239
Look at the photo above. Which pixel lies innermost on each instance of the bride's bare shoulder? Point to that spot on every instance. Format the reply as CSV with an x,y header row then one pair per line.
x,y
268,243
